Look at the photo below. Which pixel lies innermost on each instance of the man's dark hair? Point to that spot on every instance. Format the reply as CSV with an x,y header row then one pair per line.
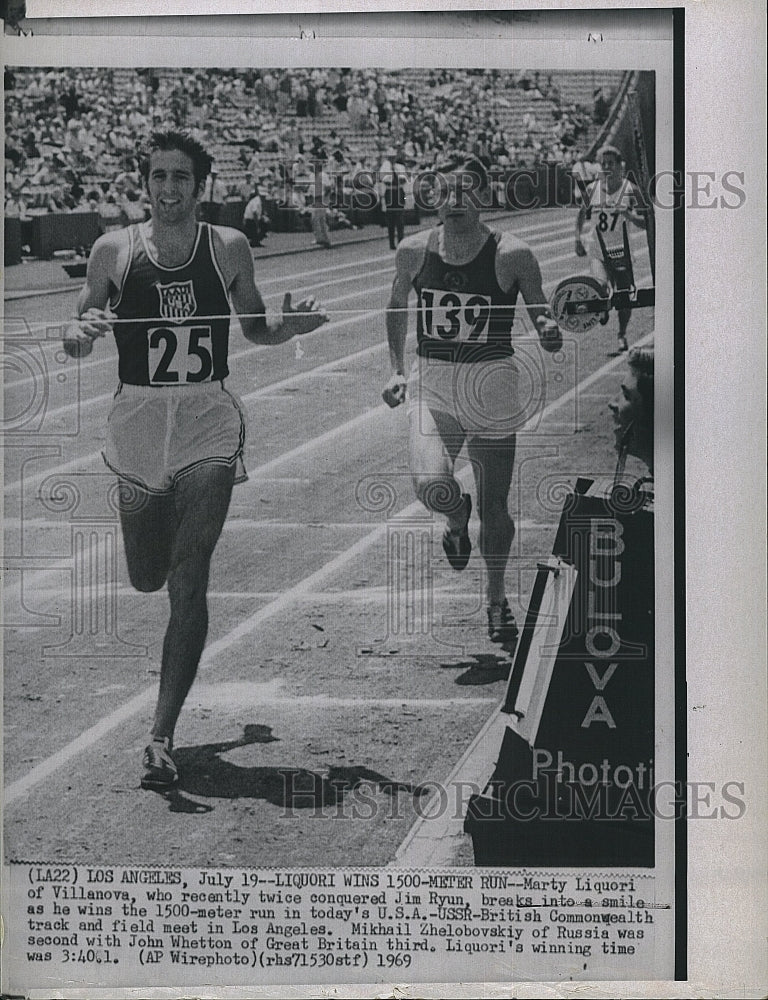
x,y
640,363
169,140
468,165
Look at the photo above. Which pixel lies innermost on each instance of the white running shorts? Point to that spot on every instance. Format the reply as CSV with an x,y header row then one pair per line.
x,y
490,399
157,434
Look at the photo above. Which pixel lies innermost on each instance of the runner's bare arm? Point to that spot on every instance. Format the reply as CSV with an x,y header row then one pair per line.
x,y
581,218
91,320
636,212
517,265
397,322
249,305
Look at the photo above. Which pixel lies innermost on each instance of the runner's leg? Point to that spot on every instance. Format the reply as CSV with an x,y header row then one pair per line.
x,y
600,272
201,504
597,268
435,441
492,464
148,521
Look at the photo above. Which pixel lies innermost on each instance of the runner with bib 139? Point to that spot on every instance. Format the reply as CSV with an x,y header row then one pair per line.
x,y
464,385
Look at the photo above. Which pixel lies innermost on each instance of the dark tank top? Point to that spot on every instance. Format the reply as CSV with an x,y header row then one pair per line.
x,y
167,345
463,315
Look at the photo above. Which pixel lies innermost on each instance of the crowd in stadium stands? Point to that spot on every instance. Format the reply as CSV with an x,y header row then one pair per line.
x,y
72,135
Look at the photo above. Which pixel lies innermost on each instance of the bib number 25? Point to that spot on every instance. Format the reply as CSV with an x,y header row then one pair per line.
x,y
180,354
454,315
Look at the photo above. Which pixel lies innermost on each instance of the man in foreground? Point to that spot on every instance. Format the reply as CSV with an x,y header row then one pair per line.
x,y
463,386
175,435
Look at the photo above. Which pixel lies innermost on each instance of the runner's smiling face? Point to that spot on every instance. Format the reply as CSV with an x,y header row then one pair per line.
x,y
172,188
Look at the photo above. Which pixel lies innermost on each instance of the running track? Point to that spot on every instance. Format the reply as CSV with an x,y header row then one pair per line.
x,y
331,702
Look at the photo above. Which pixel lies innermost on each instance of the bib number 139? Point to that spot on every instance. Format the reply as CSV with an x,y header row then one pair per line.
x,y
454,315
180,354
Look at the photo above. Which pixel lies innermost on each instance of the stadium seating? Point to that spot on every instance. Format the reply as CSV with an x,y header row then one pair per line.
x,y
228,110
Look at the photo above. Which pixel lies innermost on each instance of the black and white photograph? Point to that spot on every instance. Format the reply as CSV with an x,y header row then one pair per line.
x,y
341,635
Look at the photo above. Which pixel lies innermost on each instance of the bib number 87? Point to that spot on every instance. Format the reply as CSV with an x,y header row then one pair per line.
x,y
179,355
454,315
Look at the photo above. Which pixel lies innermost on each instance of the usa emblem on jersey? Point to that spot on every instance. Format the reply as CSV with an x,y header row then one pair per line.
x,y
177,299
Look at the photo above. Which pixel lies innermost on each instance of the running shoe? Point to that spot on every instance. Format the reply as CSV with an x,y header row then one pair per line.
x,y
160,771
623,345
502,627
456,544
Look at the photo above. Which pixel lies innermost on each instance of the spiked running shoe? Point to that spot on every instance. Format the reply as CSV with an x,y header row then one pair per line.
x,y
160,771
456,544
502,627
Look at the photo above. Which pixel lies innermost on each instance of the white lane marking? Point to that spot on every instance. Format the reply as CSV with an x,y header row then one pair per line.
x,y
79,463
434,839
29,580
92,361
309,584
94,456
290,380
249,349
327,701
235,522
361,593
270,387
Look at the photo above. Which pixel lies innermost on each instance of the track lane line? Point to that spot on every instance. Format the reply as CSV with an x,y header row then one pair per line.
x,y
90,363
270,387
314,581
77,463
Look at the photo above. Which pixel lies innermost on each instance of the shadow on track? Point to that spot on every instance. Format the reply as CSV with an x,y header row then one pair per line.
x,y
205,774
482,668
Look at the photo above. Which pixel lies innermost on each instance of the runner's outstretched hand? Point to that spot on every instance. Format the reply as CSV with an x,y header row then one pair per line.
x,y
394,391
302,318
81,333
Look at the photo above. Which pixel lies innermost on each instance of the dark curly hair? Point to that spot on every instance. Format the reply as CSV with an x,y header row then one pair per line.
x,y
170,139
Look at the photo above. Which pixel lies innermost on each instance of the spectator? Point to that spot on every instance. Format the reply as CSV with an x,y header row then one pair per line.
x,y
600,107
633,410
134,207
214,196
393,179
110,214
16,206
253,219
317,149
319,209
302,99
245,187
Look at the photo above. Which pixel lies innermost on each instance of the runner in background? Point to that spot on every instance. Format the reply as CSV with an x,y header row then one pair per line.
x,y
464,384
610,202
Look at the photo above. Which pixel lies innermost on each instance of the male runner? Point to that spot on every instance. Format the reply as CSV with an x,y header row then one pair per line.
x,y
464,383
611,200
175,434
